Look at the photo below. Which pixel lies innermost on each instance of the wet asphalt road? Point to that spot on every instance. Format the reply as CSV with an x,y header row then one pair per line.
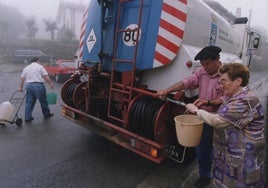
x,y
58,153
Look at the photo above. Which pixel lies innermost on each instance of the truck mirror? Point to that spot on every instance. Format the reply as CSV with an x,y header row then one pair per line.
x,y
256,42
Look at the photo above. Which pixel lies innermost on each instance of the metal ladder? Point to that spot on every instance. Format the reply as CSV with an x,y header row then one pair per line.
x,y
119,87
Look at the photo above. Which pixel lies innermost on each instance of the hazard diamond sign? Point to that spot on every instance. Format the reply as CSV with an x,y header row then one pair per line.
x,y
91,40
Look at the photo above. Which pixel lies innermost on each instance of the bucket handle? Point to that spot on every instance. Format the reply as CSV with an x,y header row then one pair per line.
x,y
51,91
186,112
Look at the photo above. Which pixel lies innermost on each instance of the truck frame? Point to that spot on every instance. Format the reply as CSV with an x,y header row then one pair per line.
x,y
129,49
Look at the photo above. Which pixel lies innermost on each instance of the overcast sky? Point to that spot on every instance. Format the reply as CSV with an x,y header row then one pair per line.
x,y
259,12
48,8
39,8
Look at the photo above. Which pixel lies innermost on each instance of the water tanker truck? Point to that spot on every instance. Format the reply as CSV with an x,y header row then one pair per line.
x,y
128,50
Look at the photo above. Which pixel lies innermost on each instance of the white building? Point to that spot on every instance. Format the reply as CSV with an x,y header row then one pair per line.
x,y
70,16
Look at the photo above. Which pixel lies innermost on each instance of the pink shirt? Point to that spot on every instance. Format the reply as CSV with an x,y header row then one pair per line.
x,y
209,86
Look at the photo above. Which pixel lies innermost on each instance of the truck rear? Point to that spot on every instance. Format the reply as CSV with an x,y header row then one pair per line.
x,y
129,49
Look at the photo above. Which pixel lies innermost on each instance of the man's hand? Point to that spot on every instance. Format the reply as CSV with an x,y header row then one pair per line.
x,y
201,102
161,93
20,89
51,85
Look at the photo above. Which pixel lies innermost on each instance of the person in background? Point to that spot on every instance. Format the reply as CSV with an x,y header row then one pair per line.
x,y
239,142
33,76
210,93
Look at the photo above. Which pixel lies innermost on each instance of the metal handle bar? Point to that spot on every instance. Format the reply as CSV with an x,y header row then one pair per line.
x,y
175,101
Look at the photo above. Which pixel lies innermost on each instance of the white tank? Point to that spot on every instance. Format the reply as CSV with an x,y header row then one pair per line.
x,y
6,110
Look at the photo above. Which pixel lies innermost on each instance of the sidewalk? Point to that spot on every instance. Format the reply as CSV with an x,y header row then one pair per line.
x,y
193,176
11,67
259,83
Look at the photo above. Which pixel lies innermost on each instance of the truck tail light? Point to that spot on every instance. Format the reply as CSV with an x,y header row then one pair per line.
x,y
189,64
154,152
150,150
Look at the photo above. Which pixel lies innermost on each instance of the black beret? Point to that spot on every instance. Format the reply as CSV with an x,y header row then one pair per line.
x,y
208,52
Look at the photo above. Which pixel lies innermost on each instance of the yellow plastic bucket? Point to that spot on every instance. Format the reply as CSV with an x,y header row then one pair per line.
x,y
189,129
51,98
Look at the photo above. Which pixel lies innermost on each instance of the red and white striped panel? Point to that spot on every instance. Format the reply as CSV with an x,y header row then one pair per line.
x,y
82,35
171,30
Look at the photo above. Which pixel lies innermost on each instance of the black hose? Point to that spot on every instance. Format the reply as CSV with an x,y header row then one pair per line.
x,y
143,114
68,96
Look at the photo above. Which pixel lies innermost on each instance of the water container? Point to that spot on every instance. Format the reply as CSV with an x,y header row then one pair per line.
x,y
51,98
189,129
6,110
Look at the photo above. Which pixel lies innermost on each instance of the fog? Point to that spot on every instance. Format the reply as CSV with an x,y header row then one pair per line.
x,y
256,10
39,8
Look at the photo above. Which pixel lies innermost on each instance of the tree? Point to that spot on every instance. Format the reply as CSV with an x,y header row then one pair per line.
x,y
51,26
12,24
31,28
4,27
66,35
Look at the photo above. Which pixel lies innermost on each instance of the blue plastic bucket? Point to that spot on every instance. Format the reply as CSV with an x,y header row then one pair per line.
x,y
51,98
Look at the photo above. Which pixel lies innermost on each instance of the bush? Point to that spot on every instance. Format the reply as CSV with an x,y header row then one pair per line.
x,y
59,50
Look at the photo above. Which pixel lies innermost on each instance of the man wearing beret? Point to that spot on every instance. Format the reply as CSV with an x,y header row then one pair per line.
x,y
210,93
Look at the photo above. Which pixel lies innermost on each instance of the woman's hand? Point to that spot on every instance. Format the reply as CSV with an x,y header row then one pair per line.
x,y
191,108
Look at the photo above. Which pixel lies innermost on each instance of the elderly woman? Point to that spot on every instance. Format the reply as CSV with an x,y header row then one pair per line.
x,y
238,138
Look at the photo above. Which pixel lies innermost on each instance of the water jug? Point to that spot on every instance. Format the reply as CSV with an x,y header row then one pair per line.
x,y
6,110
